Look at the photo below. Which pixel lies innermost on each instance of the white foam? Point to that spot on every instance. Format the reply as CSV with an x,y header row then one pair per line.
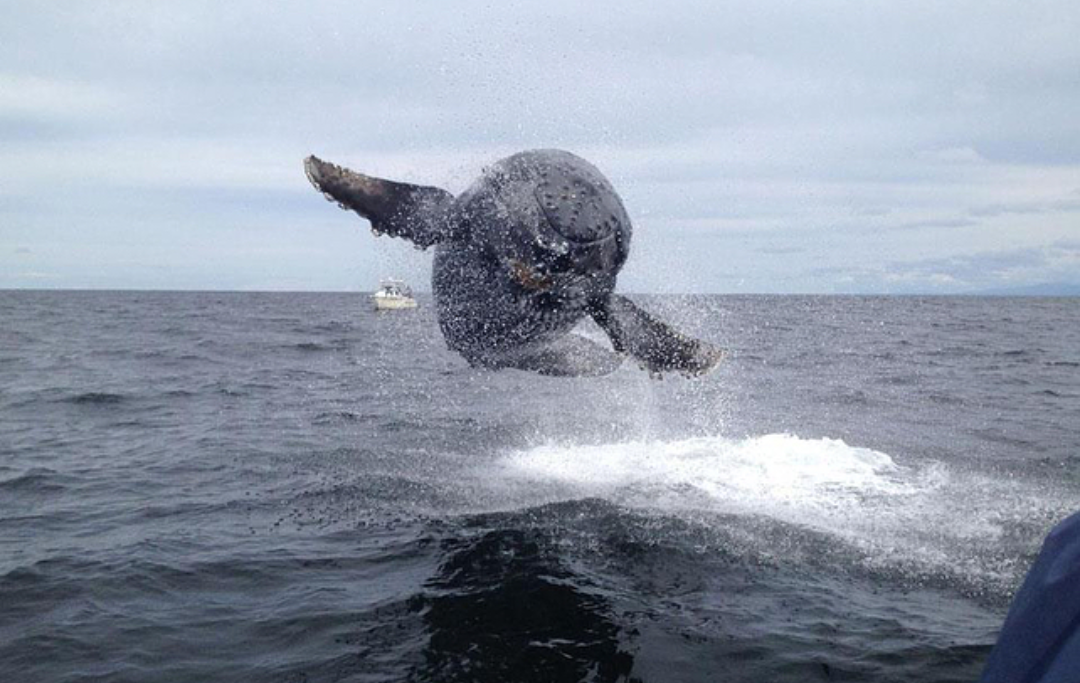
x,y
923,517
819,483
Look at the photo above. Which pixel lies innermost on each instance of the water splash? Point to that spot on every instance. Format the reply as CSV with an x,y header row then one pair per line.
x,y
919,518
818,482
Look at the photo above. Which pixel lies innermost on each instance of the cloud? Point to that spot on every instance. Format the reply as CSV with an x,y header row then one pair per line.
x,y
839,134
935,223
966,273
25,95
1070,205
954,155
781,251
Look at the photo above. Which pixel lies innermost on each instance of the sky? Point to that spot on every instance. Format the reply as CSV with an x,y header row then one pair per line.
x,y
767,146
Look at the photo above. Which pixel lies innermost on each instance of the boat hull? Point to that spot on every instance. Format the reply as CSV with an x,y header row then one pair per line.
x,y
389,303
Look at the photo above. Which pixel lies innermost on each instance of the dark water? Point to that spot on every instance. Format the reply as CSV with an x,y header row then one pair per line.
x,y
287,487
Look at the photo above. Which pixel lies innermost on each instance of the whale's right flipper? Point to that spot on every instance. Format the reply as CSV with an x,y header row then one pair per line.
x,y
651,342
417,213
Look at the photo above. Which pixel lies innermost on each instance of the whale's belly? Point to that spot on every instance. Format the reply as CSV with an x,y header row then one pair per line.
x,y
484,315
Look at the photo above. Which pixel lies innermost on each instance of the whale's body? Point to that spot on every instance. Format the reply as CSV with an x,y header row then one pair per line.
x,y
533,247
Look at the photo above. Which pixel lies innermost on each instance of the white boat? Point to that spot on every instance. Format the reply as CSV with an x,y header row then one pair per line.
x,y
393,294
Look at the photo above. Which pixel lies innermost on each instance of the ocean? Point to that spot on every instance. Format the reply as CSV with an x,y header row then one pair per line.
x,y
292,487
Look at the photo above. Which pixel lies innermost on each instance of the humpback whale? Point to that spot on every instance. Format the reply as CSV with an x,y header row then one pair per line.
x,y
530,249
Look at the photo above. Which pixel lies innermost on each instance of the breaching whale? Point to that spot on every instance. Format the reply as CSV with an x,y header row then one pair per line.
x,y
525,253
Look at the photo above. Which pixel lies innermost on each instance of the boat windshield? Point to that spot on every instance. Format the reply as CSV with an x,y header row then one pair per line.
x,y
394,288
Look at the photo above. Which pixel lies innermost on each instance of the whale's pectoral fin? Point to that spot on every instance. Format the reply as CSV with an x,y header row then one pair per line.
x,y
568,356
417,213
651,342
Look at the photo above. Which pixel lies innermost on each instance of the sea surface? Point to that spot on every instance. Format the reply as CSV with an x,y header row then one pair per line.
x,y
294,488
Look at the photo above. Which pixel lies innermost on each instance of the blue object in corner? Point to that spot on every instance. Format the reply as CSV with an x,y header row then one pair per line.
x,y
1040,640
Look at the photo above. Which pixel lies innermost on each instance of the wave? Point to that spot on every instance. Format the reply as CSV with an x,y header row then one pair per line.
x,y
310,346
34,480
812,481
922,519
331,417
96,398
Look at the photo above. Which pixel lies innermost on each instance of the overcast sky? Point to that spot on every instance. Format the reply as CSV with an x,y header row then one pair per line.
x,y
764,146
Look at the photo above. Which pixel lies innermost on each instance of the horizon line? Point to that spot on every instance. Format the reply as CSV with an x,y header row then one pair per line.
x,y
996,293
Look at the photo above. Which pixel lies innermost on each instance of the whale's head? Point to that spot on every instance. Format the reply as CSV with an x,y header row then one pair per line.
x,y
549,219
